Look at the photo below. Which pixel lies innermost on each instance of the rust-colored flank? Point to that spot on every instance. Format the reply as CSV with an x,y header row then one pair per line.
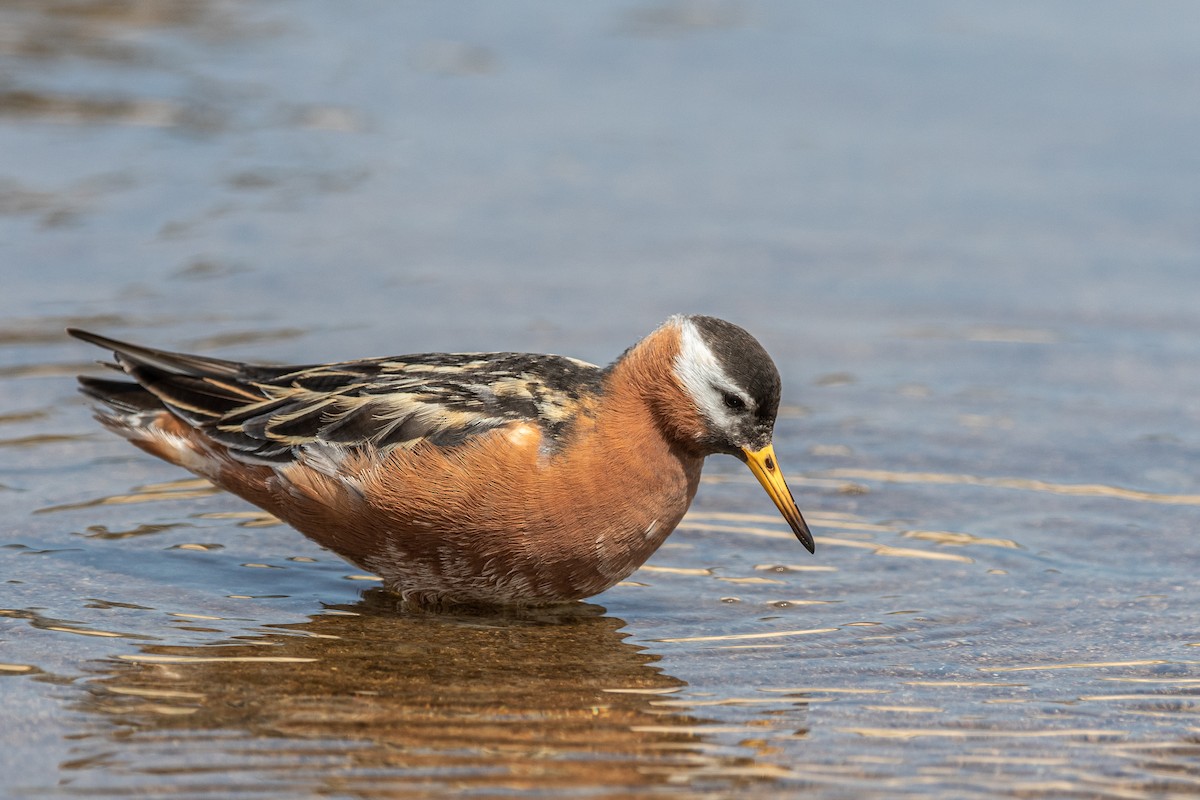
x,y
473,478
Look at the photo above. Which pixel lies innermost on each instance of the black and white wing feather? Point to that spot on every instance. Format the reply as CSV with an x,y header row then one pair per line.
x,y
272,413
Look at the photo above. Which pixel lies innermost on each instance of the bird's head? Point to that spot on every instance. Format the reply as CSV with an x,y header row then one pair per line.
x,y
734,386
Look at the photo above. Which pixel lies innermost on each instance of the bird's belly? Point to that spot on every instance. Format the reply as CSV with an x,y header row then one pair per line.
x,y
521,565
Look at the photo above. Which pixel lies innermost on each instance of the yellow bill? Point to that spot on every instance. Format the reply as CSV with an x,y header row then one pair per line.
x,y
764,466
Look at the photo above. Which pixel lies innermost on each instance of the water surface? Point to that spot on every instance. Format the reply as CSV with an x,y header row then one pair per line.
x,y
967,234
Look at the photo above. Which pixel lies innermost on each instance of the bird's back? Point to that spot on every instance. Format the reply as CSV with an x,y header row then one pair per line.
x,y
274,414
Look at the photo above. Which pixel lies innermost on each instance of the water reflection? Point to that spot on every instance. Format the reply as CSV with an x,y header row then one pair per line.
x,y
104,34
683,17
98,29
365,698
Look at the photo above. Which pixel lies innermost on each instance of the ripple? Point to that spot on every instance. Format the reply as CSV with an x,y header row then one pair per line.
x,y
143,658
1026,484
184,489
37,620
246,519
1078,665
17,669
102,532
732,637
37,440
986,733
960,539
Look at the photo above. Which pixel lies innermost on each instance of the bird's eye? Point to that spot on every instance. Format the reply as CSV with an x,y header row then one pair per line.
x,y
732,401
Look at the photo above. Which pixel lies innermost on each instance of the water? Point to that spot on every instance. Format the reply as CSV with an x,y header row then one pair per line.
x,y
966,233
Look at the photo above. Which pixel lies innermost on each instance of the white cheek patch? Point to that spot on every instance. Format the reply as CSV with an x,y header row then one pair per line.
x,y
699,371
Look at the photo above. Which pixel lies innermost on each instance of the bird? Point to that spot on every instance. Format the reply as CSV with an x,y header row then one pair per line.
x,y
476,479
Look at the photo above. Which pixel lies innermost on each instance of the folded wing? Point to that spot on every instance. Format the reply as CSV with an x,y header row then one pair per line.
x,y
272,414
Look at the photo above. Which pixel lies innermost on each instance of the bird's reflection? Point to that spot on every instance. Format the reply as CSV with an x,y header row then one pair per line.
x,y
367,696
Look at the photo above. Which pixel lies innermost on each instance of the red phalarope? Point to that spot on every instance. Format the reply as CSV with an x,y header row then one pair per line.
x,y
479,478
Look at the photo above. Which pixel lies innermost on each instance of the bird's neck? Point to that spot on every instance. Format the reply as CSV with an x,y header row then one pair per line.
x,y
629,479
643,383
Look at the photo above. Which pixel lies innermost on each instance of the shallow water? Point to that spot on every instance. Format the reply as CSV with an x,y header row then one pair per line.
x,y
967,234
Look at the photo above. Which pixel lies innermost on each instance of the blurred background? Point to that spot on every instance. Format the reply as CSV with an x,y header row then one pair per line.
x,y
969,234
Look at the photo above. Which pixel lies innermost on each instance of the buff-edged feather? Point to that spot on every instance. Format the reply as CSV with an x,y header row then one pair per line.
x,y
272,414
